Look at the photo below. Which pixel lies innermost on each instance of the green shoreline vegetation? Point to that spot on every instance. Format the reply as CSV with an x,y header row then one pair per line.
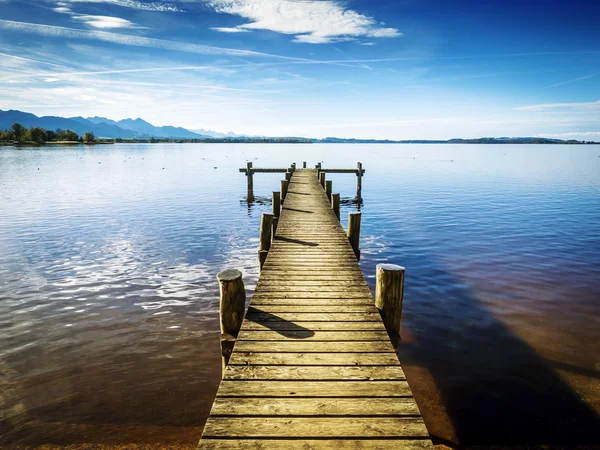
x,y
18,135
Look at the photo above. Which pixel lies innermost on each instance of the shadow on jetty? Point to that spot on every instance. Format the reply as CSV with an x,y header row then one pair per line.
x,y
495,387
279,325
295,241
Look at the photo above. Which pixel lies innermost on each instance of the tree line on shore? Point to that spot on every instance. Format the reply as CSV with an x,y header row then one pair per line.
x,y
36,135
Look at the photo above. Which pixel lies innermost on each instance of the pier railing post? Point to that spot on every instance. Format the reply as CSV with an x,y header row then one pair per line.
x,y
322,179
266,236
388,296
328,188
293,167
335,204
288,175
231,309
284,189
359,181
276,203
304,164
354,232
250,174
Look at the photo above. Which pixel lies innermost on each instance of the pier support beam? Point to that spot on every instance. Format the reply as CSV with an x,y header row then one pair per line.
x,y
288,175
276,203
231,310
354,232
249,174
266,236
359,182
388,296
322,179
335,204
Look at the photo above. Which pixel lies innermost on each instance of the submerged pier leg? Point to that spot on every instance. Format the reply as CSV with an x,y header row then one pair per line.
x,y
231,310
354,232
359,182
249,174
388,296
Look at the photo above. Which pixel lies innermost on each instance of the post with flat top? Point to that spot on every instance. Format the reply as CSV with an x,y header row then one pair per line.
x,y
335,204
304,164
231,310
354,232
359,182
388,296
293,167
266,235
276,203
322,179
249,174
328,188
288,175
284,189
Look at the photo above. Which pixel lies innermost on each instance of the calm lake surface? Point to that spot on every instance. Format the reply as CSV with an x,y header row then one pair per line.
x,y
109,299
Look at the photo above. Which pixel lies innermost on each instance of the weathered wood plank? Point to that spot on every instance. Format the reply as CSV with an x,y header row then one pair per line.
x,y
305,334
365,308
314,346
314,407
349,389
311,359
338,427
314,326
314,317
320,444
366,373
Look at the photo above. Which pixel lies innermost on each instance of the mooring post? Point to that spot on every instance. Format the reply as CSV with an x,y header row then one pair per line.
x,y
304,164
328,188
293,167
354,232
266,231
335,204
284,189
288,175
359,181
275,221
276,203
322,179
250,174
231,310
388,296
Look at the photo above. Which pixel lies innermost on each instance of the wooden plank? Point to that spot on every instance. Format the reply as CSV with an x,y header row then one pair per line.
x,y
315,326
314,317
336,427
321,373
314,407
311,359
260,302
315,346
305,334
364,308
320,444
349,389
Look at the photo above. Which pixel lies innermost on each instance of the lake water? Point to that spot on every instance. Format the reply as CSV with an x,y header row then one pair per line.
x,y
109,299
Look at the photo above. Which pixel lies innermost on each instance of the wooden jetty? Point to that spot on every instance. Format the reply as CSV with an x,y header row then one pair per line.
x,y
313,366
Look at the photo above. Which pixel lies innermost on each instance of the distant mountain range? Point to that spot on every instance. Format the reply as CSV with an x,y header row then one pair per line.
x,y
105,128
140,129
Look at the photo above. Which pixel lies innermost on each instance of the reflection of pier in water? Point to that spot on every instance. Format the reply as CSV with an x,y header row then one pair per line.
x,y
312,364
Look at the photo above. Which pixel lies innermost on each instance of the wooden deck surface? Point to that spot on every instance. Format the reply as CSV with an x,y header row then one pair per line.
x,y
313,366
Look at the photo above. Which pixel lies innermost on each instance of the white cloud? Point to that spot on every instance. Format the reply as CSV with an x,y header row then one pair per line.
x,y
229,30
571,135
581,106
144,6
104,22
310,21
127,39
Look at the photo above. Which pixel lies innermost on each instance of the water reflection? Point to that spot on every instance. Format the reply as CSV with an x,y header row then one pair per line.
x,y
109,298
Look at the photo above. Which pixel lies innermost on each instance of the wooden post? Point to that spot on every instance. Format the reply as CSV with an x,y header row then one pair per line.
x,y
275,221
276,203
233,301
249,174
262,257
354,232
293,167
319,166
322,179
288,175
388,295
359,182
304,164
335,204
266,231
284,189
328,188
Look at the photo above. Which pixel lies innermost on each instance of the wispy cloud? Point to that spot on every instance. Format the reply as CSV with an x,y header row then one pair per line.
x,y
579,106
144,6
102,22
230,30
575,134
126,39
310,21
574,80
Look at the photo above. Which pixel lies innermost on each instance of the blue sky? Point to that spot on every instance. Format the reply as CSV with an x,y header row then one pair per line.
x,y
400,69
